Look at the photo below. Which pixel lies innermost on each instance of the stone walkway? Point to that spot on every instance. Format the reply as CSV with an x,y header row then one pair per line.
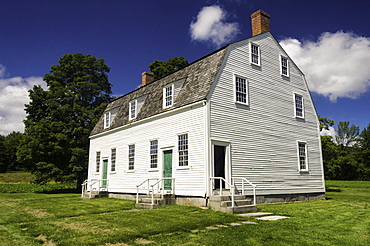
x,y
265,217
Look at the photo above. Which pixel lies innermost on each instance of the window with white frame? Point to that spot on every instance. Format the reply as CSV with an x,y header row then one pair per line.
x,y
154,154
131,157
168,96
241,90
113,160
97,161
302,154
183,150
255,54
132,111
299,107
284,66
107,120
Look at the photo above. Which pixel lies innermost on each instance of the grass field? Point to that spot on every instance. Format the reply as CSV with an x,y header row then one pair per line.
x,y
65,219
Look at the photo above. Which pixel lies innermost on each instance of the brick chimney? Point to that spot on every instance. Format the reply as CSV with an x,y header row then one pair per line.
x,y
260,22
146,78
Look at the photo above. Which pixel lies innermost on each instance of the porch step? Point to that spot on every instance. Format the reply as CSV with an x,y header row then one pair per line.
x,y
224,204
146,201
94,194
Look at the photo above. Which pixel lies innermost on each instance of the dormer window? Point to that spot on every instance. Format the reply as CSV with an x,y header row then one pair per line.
x,y
133,109
255,55
107,120
168,95
284,66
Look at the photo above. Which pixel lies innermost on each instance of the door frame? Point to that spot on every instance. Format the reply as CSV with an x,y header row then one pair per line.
x,y
172,161
227,146
104,183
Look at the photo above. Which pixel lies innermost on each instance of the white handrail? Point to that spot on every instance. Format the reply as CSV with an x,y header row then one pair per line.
x,y
162,185
232,189
138,187
92,182
251,184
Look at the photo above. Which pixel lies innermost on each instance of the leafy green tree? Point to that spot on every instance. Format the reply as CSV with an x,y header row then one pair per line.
x,y
325,123
3,166
364,143
347,134
162,69
60,119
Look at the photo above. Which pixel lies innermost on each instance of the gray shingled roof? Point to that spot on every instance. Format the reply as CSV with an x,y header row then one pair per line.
x,y
199,77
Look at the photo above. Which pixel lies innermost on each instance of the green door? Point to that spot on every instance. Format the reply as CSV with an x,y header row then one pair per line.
x,y
167,169
105,173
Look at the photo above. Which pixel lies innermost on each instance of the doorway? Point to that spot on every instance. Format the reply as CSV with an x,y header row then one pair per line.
x,y
167,169
219,154
105,174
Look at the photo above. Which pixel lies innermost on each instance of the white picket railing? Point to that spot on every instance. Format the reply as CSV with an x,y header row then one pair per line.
x,y
149,188
94,185
253,187
232,188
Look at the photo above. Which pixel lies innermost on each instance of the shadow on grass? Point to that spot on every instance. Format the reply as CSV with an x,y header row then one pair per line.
x,y
333,190
60,191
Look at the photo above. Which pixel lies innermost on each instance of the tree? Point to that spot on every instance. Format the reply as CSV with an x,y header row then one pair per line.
x,y
364,143
60,119
162,69
347,134
325,123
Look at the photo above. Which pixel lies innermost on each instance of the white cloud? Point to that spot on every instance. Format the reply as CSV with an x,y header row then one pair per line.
x,y
210,26
336,65
330,132
13,97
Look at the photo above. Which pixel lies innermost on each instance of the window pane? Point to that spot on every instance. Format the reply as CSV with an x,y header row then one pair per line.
x,y
131,157
113,160
169,96
154,154
302,156
133,109
97,160
183,150
299,105
241,89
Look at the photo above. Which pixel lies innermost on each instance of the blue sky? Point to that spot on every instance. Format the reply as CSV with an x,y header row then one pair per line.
x,y
329,40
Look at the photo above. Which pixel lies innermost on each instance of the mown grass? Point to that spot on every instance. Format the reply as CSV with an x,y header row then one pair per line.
x,y
16,177
65,219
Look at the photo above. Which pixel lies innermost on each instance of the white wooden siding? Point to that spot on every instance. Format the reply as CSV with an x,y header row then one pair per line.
x,y
165,128
264,134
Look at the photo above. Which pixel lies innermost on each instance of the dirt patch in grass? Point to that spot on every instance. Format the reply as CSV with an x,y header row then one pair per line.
x,y
45,241
38,213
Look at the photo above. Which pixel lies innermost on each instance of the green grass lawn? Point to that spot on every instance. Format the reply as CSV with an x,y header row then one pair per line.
x,y
65,219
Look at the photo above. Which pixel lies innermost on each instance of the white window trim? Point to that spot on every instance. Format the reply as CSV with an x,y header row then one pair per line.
x,y
250,54
247,90
107,123
295,106
281,66
129,109
306,156
111,161
178,152
152,169
164,95
100,161
128,158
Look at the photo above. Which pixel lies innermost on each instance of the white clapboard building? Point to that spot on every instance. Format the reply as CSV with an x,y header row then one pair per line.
x,y
239,118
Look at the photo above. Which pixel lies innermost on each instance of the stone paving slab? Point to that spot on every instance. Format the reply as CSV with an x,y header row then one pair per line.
x,y
235,224
249,222
255,214
275,217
